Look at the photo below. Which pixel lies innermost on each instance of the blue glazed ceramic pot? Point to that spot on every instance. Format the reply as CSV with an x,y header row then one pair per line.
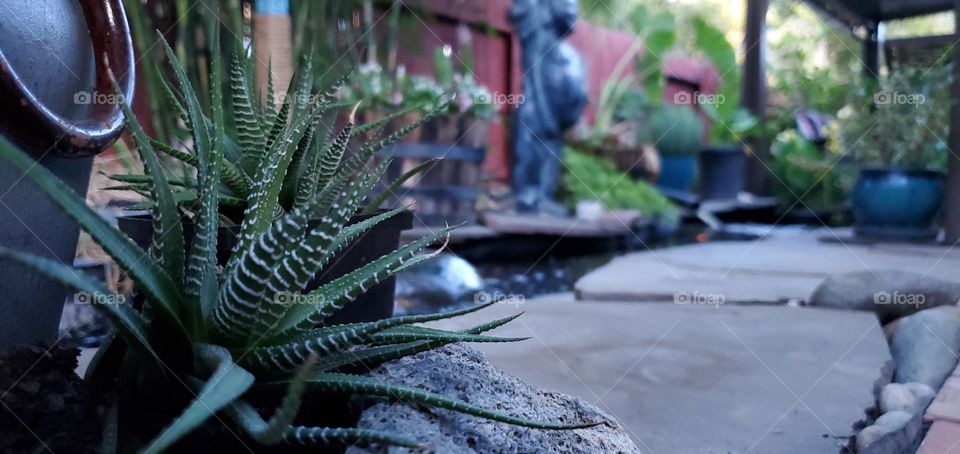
x,y
897,202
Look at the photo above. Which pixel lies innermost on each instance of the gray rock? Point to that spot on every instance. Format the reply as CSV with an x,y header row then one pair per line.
x,y
894,420
890,294
445,281
925,347
892,433
909,397
462,372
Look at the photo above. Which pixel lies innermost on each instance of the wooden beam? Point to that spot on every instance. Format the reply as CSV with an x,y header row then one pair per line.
x,y
754,89
951,219
871,51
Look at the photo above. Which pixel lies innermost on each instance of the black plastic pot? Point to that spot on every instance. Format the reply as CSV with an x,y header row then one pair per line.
x,y
383,238
722,171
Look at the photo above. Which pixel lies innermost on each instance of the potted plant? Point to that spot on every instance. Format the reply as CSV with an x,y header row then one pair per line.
x,y
723,162
676,132
896,131
243,340
292,133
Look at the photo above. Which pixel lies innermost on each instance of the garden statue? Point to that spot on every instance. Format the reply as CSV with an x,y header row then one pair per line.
x,y
57,102
554,94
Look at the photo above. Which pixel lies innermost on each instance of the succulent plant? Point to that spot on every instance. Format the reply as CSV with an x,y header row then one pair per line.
x,y
675,130
234,335
298,131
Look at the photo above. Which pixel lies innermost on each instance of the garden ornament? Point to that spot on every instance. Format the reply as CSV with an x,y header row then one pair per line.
x,y
554,95
58,104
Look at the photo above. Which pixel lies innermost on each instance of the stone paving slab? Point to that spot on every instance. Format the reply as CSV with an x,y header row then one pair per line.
x,y
702,379
942,438
946,405
783,266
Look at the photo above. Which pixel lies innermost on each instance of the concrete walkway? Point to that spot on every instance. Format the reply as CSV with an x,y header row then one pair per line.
x,y
702,379
781,267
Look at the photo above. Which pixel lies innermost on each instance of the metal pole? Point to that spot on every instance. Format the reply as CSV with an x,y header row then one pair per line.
x,y
951,220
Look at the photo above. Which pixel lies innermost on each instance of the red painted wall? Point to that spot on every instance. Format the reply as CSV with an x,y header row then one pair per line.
x,y
497,56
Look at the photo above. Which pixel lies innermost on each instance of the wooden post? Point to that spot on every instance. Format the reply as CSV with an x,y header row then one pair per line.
x,y
273,45
951,220
754,88
871,52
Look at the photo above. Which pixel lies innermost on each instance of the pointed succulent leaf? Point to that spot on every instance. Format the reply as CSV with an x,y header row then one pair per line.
x,y
391,189
131,326
325,436
167,237
250,132
271,432
365,359
232,176
225,385
404,334
343,383
201,283
331,297
320,174
263,201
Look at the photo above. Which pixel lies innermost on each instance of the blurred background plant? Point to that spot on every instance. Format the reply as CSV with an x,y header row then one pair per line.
x,y
588,177
902,121
675,130
810,176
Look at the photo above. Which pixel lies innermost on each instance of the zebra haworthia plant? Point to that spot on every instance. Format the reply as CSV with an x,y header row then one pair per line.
x,y
297,138
223,335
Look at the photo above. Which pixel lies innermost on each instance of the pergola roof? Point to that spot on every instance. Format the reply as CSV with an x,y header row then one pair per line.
x,y
858,12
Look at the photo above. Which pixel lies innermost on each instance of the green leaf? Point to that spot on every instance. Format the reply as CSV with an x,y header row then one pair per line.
x,y
331,297
264,200
271,432
167,227
374,204
202,286
324,436
403,334
250,132
131,326
227,383
342,383
365,359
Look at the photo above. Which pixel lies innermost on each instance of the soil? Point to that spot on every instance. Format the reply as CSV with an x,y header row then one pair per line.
x,y
42,404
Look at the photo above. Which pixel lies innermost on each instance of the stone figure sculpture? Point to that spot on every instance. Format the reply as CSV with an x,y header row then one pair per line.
x,y
554,94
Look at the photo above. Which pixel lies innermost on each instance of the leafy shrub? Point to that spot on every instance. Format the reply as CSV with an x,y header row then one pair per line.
x,y
589,177
903,121
808,176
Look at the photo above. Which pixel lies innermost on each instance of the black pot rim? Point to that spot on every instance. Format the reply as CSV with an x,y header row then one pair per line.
x,y
905,171
723,149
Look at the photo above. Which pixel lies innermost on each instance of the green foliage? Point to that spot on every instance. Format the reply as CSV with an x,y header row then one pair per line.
x,y
381,90
591,178
903,121
731,121
675,130
199,339
809,176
